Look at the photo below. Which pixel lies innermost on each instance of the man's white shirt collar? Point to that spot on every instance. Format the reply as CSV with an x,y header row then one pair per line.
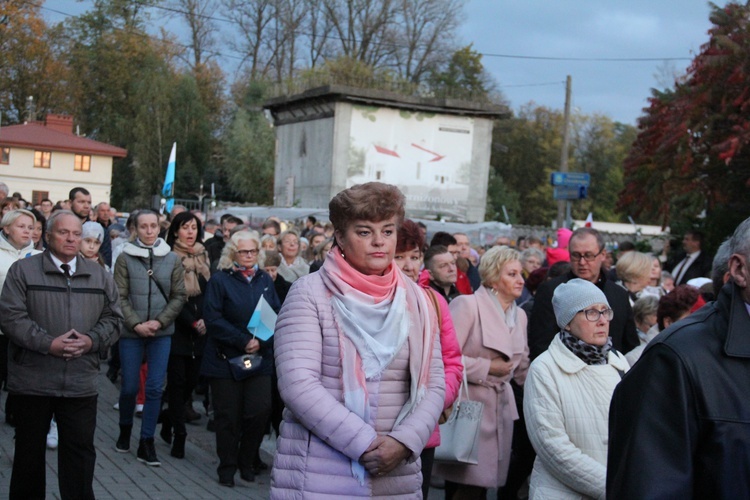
x,y
59,263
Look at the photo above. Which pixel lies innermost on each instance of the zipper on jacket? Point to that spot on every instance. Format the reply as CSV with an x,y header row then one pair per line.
x,y
149,272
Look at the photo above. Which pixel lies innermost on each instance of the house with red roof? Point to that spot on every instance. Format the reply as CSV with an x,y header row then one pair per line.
x,y
46,160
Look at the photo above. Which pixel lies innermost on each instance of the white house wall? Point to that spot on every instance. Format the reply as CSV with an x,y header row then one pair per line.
x,y
21,176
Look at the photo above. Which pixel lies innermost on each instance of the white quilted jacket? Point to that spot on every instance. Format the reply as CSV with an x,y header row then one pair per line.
x,y
566,406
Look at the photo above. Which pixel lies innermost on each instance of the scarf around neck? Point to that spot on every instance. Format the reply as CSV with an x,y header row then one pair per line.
x,y
374,315
589,354
195,263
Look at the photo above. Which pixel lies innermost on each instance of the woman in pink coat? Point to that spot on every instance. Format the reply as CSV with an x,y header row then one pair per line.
x,y
359,364
409,258
491,330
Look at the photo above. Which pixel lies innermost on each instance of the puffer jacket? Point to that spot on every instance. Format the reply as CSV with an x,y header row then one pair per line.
x,y
9,254
319,435
140,298
39,303
566,405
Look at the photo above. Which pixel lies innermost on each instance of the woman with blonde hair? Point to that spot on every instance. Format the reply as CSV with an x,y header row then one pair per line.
x,y
241,407
634,273
491,330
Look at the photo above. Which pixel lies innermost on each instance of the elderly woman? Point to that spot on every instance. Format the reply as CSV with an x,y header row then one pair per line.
x,y
567,396
15,244
241,407
409,259
359,363
634,273
491,330
674,306
292,266
151,282
531,260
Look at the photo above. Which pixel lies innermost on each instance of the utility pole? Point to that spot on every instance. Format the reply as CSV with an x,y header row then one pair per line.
x,y
563,204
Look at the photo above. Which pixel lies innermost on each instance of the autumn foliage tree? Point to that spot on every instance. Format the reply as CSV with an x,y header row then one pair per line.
x,y
691,156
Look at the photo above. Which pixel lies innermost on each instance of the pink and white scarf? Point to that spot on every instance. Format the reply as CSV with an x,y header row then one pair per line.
x,y
374,316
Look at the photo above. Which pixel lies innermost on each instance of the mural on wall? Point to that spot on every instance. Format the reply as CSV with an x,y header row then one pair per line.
x,y
427,155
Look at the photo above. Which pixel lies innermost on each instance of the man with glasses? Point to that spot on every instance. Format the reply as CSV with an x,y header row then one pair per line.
x,y
587,253
679,422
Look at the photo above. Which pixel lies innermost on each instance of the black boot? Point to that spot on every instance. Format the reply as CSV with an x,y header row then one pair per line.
x,y
166,427
123,441
147,453
178,446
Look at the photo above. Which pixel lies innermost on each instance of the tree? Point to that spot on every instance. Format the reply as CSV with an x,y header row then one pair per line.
x,y
248,145
691,153
29,64
463,75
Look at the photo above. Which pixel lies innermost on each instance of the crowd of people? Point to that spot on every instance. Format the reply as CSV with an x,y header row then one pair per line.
x,y
599,377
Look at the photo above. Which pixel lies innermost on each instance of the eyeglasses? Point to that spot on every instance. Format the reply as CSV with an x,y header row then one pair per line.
x,y
588,257
595,314
245,253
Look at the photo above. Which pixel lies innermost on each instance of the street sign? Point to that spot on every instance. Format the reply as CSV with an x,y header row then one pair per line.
x,y
570,192
570,179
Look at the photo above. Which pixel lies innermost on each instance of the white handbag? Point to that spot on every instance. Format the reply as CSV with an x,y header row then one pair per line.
x,y
459,435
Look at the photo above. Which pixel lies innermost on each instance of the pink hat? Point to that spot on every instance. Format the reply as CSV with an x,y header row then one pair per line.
x,y
563,237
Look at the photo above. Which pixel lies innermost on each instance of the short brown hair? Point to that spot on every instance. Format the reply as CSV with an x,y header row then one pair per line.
x,y
372,201
409,237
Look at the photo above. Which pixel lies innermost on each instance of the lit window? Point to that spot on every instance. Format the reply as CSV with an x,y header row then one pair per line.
x,y
5,156
83,163
42,159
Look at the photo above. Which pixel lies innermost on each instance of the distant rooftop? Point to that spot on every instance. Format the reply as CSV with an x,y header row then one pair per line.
x,y
56,134
461,105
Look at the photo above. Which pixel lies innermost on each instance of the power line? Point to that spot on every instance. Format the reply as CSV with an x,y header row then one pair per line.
x,y
546,84
589,59
501,56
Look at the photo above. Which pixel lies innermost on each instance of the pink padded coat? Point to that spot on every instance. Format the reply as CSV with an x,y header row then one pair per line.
x,y
319,435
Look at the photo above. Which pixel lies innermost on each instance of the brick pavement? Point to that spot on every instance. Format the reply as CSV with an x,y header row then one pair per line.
x,y
121,476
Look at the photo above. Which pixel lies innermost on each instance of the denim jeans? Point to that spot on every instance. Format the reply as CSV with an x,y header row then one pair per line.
x,y
157,357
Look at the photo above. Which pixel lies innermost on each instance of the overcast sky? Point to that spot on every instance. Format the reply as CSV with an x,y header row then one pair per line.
x,y
581,29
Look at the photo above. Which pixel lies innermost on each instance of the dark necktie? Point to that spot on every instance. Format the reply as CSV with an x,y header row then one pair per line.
x,y
66,272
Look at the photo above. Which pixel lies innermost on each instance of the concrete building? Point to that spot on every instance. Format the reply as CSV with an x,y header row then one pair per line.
x,y
47,160
436,150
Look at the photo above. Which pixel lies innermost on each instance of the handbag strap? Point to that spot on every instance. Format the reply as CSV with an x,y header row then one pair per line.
x,y
220,352
150,273
464,384
436,305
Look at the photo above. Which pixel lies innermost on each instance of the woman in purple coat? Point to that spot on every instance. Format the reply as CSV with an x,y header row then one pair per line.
x,y
359,364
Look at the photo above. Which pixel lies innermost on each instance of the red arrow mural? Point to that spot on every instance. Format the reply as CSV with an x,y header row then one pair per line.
x,y
437,156
385,151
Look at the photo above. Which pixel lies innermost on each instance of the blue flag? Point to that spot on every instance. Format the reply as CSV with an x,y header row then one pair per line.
x,y
168,191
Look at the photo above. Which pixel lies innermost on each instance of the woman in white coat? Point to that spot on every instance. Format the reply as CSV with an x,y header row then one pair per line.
x,y
567,396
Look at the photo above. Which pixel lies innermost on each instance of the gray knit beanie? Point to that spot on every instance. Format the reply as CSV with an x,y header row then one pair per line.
x,y
92,229
573,296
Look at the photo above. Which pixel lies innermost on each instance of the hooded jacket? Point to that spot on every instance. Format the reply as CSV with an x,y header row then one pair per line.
x,y
141,298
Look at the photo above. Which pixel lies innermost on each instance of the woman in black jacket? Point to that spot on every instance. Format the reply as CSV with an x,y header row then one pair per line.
x,y
188,341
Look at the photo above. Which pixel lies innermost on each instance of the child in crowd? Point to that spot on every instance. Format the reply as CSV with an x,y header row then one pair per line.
x,y
91,242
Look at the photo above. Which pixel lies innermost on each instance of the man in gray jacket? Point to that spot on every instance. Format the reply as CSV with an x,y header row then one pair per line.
x,y
60,313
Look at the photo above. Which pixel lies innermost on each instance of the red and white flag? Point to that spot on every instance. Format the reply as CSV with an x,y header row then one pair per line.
x,y
590,219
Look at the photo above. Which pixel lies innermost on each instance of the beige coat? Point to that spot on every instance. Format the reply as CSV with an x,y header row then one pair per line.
x,y
483,336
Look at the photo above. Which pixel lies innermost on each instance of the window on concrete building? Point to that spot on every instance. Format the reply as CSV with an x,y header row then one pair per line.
x,y
83,163
38,196
5,156
42,159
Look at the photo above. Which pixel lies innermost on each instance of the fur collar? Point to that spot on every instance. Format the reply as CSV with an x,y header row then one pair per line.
x,y
160,248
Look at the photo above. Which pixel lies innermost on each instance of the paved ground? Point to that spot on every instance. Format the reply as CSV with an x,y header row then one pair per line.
x,y
121,476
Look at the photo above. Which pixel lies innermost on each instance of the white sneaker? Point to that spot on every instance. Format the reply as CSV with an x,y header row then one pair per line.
x,y
138,410
52,435
116,406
